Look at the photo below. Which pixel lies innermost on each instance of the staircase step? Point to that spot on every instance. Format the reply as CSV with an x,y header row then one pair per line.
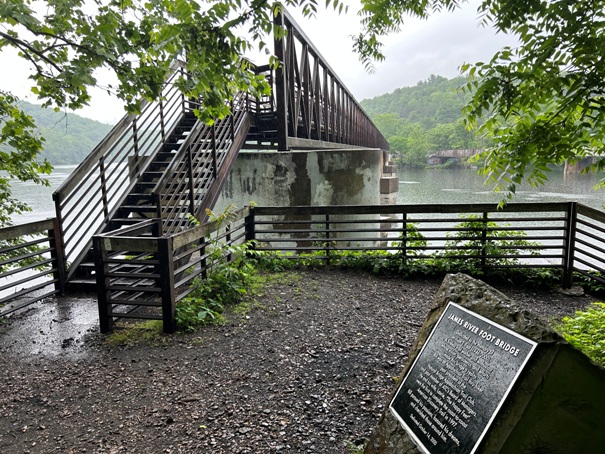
x,y
171,146
82,284
116,223
151,175
144,186
131,315
125,302
165,156
135,197
141,210
158,165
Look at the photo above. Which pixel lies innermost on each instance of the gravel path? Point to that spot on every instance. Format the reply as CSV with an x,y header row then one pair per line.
x,y
308,372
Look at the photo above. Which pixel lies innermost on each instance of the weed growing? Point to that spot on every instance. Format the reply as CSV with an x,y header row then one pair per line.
x,y
584,330
149,332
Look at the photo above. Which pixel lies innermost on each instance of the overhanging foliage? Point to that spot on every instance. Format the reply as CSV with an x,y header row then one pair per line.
x,y
540,103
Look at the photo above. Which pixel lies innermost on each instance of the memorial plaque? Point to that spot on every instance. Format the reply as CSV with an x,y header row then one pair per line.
x,y
459,380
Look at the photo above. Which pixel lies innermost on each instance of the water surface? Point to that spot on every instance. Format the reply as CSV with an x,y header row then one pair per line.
x,y
433,186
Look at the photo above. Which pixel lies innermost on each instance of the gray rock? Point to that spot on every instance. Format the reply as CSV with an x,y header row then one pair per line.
x,y
556,406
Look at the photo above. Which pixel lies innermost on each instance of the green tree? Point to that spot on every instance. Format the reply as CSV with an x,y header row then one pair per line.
x,y
416,146
542,102
66,41
19,146
389,124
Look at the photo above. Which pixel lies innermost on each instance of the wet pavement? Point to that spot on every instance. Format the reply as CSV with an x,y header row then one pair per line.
x,y
56,326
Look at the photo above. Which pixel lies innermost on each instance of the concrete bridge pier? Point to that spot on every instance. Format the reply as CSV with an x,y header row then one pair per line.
x,y
317,178
389,189
579,166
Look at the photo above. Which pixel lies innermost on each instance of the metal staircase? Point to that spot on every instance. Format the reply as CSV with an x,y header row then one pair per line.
x,y
161,165
135,195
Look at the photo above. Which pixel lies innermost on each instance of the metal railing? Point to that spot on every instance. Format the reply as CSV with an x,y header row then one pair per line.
x,y
189,185
136,271
29,264
314,107
587,237
87,199
563,236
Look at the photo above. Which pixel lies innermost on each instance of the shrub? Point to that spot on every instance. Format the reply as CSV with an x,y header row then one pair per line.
x,y
586,331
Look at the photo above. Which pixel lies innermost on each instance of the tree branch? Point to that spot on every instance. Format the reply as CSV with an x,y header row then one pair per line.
x,y
25,45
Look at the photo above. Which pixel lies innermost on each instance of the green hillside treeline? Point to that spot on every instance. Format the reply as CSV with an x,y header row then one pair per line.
x,y
69,138
420,120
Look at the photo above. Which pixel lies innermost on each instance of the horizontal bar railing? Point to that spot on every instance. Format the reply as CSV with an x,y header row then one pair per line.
x,y
446,231
29,264
90,195
589,243
177,263
142,275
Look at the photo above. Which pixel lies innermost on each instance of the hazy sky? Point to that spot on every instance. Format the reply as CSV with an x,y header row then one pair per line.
x,y
436,46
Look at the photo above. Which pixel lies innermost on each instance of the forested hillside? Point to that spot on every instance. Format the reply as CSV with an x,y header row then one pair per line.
x,y
423,119
69,138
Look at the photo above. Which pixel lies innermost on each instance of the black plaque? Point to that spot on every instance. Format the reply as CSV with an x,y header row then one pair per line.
x,y
459,380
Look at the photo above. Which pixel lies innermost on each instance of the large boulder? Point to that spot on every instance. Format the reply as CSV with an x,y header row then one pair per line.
x,y
557,405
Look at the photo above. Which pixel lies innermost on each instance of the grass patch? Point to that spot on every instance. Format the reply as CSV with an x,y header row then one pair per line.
x,y
245,307
585,330
129,334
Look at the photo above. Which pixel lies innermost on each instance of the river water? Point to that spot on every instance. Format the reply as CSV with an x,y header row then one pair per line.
x,y
40,198
434,186
426,186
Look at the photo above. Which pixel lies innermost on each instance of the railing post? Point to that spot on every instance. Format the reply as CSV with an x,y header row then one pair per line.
x,y
327,242
162,121
60,237
57,254
135,142
484,240
232,121
403,245
104,186
191,183
158,227
569,245
103,292
204,260
214,164
167,290
249,223
281,88
183,100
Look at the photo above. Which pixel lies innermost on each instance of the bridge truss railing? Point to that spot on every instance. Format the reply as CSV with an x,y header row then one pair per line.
x,y
314,107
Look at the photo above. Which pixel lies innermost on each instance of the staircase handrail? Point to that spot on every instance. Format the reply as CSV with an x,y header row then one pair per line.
x,y
85,201
103,146
193,144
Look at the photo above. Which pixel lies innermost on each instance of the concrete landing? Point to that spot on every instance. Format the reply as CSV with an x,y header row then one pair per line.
x,y
54,327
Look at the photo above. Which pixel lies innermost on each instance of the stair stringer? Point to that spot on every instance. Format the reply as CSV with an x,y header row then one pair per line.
x,y
238,143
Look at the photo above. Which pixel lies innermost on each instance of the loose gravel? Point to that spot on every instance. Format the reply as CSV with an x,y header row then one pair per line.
x,y
308,370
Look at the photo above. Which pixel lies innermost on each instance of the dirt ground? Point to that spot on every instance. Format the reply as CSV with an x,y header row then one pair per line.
x,y
307,371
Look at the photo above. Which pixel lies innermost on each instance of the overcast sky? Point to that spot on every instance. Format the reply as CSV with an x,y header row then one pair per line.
x,y
438,45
